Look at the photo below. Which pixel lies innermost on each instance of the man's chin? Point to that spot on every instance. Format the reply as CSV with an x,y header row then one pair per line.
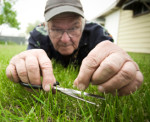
x,y
66,52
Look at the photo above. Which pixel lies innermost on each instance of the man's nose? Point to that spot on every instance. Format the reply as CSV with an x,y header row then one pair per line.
x,y
65,37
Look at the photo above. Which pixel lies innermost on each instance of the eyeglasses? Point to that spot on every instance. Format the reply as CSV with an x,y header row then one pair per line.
x,y
73,32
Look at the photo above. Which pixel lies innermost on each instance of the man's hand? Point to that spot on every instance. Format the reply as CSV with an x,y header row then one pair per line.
x,y
28,66
111,68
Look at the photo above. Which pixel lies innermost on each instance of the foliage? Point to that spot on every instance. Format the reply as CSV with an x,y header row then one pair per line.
x,y
8,15
31,26
19,104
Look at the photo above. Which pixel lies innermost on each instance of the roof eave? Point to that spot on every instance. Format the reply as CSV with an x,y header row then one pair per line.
x,y
115,6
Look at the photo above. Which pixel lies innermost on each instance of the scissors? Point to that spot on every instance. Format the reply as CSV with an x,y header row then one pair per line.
x,y
70,92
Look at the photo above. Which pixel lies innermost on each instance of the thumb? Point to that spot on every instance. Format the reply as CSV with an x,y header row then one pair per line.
x,y
87,69
91,63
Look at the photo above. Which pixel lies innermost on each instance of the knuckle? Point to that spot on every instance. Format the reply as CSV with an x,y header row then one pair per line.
x,y
106,43
125,74
110,67
22,54
32,67
132,86
136,65
128,72
45,65
8,72
139,78
11,73
91,61
13,60
22,73
41,51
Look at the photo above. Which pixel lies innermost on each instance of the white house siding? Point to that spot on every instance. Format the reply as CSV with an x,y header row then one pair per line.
x,y
111,24
134,32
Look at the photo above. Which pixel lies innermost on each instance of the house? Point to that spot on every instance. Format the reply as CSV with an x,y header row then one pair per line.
x,y
129,23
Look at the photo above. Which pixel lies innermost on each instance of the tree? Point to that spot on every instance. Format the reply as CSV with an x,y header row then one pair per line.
x,y
31,26
8,15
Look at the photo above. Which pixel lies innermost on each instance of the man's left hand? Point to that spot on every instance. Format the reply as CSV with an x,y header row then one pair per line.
x,y
111,68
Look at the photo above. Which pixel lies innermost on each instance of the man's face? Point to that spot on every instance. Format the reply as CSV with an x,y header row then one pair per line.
x,y
65,31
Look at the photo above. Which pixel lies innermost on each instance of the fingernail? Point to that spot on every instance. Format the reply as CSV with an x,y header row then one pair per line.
x,y
47,87
75,83
101,89
74,86
81,86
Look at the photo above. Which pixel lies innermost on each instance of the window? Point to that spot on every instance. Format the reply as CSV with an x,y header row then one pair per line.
x,y
139,7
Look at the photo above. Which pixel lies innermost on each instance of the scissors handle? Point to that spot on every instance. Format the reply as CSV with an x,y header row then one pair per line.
x,y
35,86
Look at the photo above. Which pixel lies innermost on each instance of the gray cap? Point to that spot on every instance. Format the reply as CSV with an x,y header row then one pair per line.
x,y
55,7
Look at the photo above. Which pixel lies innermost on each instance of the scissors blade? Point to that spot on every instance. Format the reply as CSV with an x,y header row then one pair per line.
x,y
67,92
80,93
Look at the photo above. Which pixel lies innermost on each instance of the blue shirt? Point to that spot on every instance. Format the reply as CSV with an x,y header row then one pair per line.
x,y
91,36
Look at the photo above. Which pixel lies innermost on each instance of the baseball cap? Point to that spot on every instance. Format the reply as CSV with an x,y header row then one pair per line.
x,y
55,7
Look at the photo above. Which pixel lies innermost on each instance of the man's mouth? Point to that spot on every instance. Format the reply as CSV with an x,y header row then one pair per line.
x,y
65,45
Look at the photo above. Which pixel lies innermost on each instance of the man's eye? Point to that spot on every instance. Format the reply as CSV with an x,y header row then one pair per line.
x,y
74,28
56,30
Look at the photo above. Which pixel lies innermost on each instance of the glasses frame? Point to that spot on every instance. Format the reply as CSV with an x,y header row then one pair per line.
x,y
58,33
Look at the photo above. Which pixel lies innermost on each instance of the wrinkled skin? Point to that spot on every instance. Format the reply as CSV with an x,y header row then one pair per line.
x,y
107,65
111,70
27,66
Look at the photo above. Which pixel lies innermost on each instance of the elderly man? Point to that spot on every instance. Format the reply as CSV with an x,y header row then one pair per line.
x,y
67,38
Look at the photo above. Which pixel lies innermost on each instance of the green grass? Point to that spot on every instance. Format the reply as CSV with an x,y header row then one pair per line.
x,y
19,104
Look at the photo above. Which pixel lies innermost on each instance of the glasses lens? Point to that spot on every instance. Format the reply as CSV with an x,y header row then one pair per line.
x,y
74,32
57,33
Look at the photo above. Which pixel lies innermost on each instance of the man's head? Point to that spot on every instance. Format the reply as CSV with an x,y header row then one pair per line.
x,y
55,7
65,24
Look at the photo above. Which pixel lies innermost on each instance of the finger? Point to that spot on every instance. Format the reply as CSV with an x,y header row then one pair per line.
x,y
108,68
47,71
87,68
125,76
19,63
92,62
33,70
11,73
21,70
133,86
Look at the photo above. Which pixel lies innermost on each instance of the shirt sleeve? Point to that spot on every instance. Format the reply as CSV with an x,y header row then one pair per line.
x,y
94,34
38,38
101,34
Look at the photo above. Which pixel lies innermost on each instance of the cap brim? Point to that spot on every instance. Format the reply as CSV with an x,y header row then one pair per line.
x,y
55,11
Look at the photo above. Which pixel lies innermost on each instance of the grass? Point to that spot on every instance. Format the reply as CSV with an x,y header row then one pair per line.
x,y
20,104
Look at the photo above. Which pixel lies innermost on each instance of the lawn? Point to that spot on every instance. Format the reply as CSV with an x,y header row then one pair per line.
x,y
20,104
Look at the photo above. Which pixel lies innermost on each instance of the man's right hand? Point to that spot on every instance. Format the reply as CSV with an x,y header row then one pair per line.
x,y
28,66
